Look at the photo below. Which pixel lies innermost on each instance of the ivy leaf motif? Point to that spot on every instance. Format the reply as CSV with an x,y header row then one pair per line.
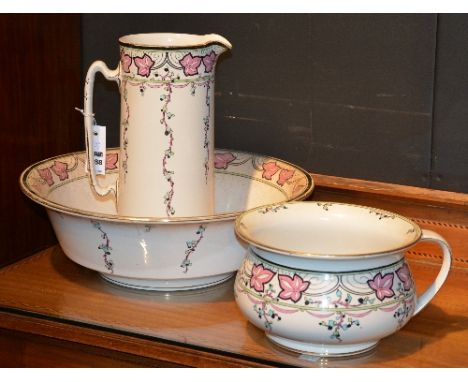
x,y
209,60
382,285
269,169
292,287
190,64
260,276
284,176
126,62
46,175
60,169
144,65
404,275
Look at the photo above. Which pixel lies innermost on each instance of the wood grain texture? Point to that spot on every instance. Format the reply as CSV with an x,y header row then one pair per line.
x,y
19,349
40,86
54,299
108,348
394,192
203,329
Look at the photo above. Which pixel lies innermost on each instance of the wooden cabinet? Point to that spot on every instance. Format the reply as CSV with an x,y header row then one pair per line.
x,y
40,85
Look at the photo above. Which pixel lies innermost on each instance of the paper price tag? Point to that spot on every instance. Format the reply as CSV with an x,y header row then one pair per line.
x,y
99,149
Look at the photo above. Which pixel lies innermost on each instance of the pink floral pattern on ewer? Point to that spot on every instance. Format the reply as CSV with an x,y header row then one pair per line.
x,y
60,169
260,276
150,61
126,61
222,160
144,65
382,285
292,287
190,64
209,61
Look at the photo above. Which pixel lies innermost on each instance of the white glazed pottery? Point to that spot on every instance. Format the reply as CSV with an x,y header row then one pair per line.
x,y
166,84
329,278
158,253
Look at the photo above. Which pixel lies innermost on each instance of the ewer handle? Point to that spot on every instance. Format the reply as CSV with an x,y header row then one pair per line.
x,y
113,75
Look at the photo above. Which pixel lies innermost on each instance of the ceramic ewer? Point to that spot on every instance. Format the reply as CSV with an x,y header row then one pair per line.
x,y
158,253
328,278
166,84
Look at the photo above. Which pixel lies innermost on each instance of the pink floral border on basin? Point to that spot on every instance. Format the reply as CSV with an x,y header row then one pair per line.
x,y
283,174
42,178
62,170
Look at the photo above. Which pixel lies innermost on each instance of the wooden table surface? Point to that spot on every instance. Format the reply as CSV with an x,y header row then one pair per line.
x,y
54,312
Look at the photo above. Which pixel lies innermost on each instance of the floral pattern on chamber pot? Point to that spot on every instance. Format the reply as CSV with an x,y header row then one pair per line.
x,y
344,307
329,302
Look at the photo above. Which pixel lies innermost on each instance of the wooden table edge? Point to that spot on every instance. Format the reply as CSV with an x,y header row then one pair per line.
x,y
153,349
395,191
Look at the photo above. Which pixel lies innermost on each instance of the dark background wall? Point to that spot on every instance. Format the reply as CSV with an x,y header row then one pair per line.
x,y
377,97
